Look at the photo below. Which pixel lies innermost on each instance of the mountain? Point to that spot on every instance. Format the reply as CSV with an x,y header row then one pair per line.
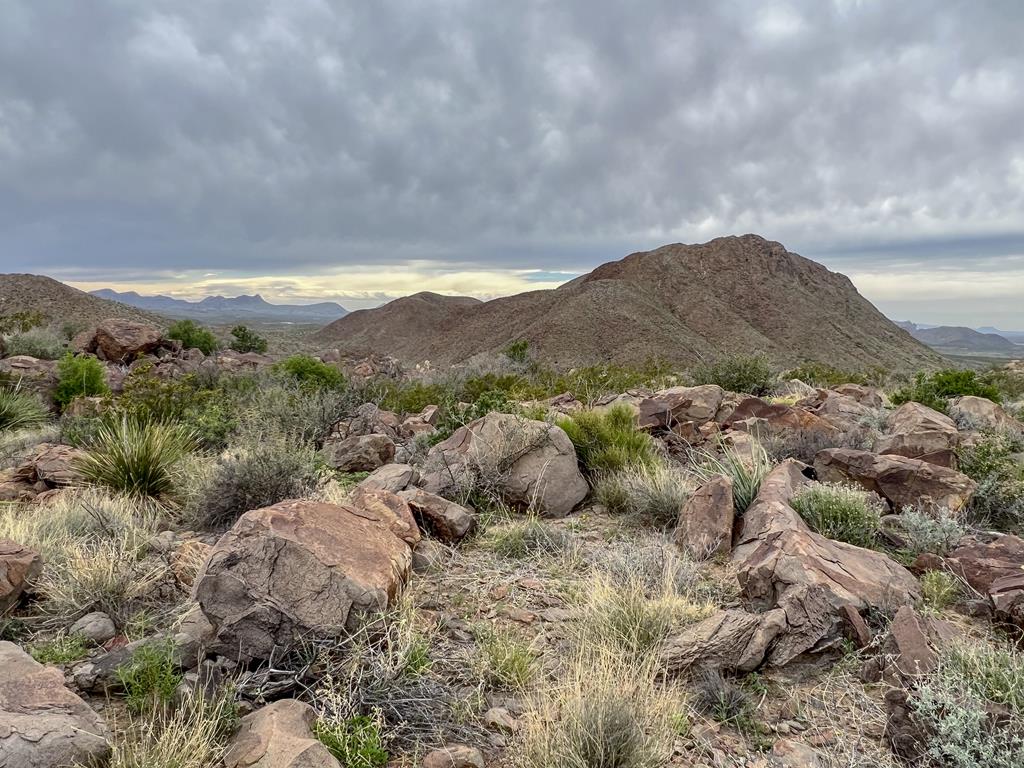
x,y
60,303
681,303
1014,336
959,340
221,309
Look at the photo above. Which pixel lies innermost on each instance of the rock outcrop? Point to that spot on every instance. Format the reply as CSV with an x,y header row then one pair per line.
x,y
18,567
279,735
705,522
918,432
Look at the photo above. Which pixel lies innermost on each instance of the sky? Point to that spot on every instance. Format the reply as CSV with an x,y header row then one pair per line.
x,y
369,149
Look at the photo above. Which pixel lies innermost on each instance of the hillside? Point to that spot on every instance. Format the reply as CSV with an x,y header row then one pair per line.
x,y
223,309
682,303
955,338
60,303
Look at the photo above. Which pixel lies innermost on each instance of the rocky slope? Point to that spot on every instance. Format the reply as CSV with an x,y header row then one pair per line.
x,y
682,303
59,302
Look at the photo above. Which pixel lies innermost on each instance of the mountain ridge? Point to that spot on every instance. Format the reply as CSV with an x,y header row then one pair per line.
x,y
214,308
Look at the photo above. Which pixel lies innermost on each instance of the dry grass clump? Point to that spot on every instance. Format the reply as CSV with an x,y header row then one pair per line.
x,y
529,538
20,409
652,494
506,661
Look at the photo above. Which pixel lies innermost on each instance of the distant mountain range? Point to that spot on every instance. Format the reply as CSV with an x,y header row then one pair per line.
x,y
222,309
959,340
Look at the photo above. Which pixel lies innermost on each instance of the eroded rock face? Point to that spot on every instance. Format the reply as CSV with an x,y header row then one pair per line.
x,y
531,464
994,568
918,432
299,568
121,341
705,522
42,723
901,481
668,408
359,453
50,463
971,412
443,519
392,477
279,735
18,566
757,416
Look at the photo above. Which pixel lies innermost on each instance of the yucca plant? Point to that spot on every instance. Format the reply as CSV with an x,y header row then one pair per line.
x,y
746,472
136,457
19,409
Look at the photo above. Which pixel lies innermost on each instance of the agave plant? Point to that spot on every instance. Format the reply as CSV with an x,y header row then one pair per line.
x,y
136,457
19,409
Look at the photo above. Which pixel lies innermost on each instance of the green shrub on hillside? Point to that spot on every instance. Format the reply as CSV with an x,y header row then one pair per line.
x,y
193,336
840,512
355,742
151,677
246,340
79,377
41,343
21,322
19,409
993,462
748,374
827,376
935,389
311,372
609,441
518,351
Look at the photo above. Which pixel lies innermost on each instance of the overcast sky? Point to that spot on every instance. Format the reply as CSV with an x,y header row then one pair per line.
x,y
368,149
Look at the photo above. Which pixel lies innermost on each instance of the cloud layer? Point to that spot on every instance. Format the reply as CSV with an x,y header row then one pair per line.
x,y
316,143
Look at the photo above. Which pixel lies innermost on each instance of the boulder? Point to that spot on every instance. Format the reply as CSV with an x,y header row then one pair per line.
x,y
414,426
971,412
368,419
50,463
359,453
121,341
387,508
97,627
18,567
918,432
443,519
787,753
794,388
757,416
299,569
705,522
667,408
279,735
868,396
454,756
530,464
42,723
38,375
901,481
841,410
994,568
391,477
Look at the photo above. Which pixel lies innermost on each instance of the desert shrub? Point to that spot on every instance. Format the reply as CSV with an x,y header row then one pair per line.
x,y
253,476
62,649
653,495
35,342
136,457
79,377
840,512
935,389
720,699
22,322
827,376
518,351
506,661
749,374
955,704
151,677
607,441
355,742
311,372
935,532
805,444
1010,383
746,473
623,616
528,538
247,340
939,589
20,409
193,336
991,462
287,408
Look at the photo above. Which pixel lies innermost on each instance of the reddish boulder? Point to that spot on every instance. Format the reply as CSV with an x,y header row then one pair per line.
x,y
121,341
18,567
918,432
678,405
705,522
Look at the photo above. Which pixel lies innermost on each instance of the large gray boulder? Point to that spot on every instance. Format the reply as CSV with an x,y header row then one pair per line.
x,y
972,412
42,723
359,453
303,569
529,464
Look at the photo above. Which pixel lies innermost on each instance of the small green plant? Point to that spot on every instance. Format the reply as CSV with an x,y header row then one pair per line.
x,y
151,677
935,389
507,661
991,461
939,590
828,376
247,340
527,538
518,351
746,472
607,441
79,377
355,742
748,374
136,457
193,336
62,649
840,512
19,409
311,372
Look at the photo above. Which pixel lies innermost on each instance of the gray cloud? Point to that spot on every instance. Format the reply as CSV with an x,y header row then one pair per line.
x,y
271,137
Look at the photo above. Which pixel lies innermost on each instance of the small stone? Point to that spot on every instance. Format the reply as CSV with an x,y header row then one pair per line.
x,y
500,719
96,626
454,756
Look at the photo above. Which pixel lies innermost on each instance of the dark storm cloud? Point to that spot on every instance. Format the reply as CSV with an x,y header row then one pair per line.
x,y
282,137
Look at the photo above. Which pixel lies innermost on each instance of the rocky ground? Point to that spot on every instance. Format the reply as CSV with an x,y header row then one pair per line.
x,y
236,561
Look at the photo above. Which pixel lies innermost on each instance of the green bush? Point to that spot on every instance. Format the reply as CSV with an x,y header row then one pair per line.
x,y
62,649
998,500
747,374
355,742
193,336
518,351
79,377
41,343
21,322
935,389
246,340
135,457
608,441
151,677
935,533
939,589
828,376
311,372
840,512
19,409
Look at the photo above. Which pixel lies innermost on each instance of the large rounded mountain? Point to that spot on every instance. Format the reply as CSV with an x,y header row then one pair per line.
x,y
679,303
